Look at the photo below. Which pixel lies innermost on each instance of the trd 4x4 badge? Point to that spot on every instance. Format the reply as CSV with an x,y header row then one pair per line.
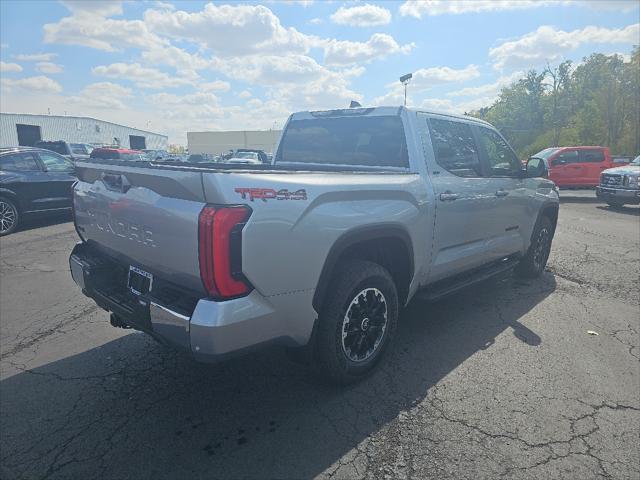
x,y
265,194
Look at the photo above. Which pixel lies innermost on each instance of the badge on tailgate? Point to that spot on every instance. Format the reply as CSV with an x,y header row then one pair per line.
x,y
139,281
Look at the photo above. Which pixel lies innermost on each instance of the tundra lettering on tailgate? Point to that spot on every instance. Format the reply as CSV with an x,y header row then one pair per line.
x,y
134,232
265,194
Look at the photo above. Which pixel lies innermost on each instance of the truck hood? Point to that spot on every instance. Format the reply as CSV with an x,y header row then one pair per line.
x,y
624,170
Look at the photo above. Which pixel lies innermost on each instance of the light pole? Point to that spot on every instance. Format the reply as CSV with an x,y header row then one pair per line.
x,y
404,80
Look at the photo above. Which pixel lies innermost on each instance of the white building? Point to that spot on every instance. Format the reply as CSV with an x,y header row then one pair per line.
x,y
26,129
221,142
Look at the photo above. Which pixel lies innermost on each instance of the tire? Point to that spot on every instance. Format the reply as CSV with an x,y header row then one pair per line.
x,y
353,331
615,204
9,216
533,263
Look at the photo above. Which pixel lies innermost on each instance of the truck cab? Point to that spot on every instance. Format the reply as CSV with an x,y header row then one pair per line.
x,y
578,166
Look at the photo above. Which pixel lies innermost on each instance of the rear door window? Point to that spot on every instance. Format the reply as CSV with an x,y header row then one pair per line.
x,y
455,147
19,162
592,156
55,163
377,141
566,157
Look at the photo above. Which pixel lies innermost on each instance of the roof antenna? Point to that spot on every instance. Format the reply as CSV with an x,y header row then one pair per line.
x,y
354,104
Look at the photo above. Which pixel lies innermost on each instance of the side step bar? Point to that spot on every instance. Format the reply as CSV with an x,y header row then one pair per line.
x,y
446,287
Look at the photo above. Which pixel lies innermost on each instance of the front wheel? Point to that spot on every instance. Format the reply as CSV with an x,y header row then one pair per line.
x,y
8,216
533,263
357,322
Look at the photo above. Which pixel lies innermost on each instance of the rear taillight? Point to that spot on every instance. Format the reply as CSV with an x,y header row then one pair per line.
x,y
220,241
73,211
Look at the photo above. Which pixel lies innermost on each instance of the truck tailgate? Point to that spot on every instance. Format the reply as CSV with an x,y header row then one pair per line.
x,y
147,217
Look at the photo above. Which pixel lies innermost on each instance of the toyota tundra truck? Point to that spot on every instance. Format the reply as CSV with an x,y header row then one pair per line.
x,y
360,210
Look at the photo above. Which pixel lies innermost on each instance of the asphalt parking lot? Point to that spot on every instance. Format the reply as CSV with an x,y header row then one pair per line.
x,y
501,380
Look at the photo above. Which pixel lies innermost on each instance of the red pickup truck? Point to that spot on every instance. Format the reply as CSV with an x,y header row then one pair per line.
x,y
576,166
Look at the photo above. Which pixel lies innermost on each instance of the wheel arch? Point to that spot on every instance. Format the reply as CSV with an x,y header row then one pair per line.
x,y
386,244
549,210
11,195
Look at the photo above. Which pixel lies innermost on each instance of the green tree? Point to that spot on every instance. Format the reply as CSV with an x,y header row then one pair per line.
x,y
597,103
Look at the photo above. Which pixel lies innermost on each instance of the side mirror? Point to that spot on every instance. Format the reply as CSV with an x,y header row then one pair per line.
x,y
536,168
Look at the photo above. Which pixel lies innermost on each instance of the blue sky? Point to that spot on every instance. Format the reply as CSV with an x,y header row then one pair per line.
x,y
184,66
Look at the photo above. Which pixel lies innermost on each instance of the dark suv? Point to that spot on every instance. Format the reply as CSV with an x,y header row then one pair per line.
x,y
73,151
32,181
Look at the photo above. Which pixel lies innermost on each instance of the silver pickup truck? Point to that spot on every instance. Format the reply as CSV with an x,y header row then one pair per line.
x,y
360,210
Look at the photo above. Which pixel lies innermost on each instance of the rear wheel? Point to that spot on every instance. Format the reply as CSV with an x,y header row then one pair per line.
x,y
357,322
8,216
533,263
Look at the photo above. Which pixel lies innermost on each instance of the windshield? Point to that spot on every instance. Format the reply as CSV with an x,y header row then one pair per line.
x,y
79,149
58,147
376,141
546,153
636,161
249,155
105,154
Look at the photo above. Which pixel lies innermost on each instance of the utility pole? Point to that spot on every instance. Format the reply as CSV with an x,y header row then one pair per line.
x,y
404,80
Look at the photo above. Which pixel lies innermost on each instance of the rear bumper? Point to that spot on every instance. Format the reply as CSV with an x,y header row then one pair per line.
x,y
621,195
206,329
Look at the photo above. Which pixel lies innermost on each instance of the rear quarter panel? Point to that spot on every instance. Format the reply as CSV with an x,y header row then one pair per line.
x,y
286,242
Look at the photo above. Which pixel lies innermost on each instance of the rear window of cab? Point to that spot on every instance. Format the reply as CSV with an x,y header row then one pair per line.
x,y
376,141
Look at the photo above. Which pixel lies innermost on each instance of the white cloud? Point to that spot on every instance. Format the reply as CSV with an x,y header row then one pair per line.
x,y
105,95
271,70
316,21
184,62
447,106
216,85
296,82
36,57
418,8
48,67
424,79
141,76
102,8
10,67
32,84
549,44
488,89
366,15
89,26
245,94
171,99
230,30
164,5
346,52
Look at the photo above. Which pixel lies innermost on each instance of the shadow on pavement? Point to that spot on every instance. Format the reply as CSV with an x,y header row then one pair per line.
x,y
41,220
132,409
625,210
568,197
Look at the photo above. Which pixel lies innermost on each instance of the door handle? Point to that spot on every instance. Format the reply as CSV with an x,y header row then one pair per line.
x,y
447,196
502,193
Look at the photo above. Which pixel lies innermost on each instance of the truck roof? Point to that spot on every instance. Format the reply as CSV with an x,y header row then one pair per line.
x,y
381,110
